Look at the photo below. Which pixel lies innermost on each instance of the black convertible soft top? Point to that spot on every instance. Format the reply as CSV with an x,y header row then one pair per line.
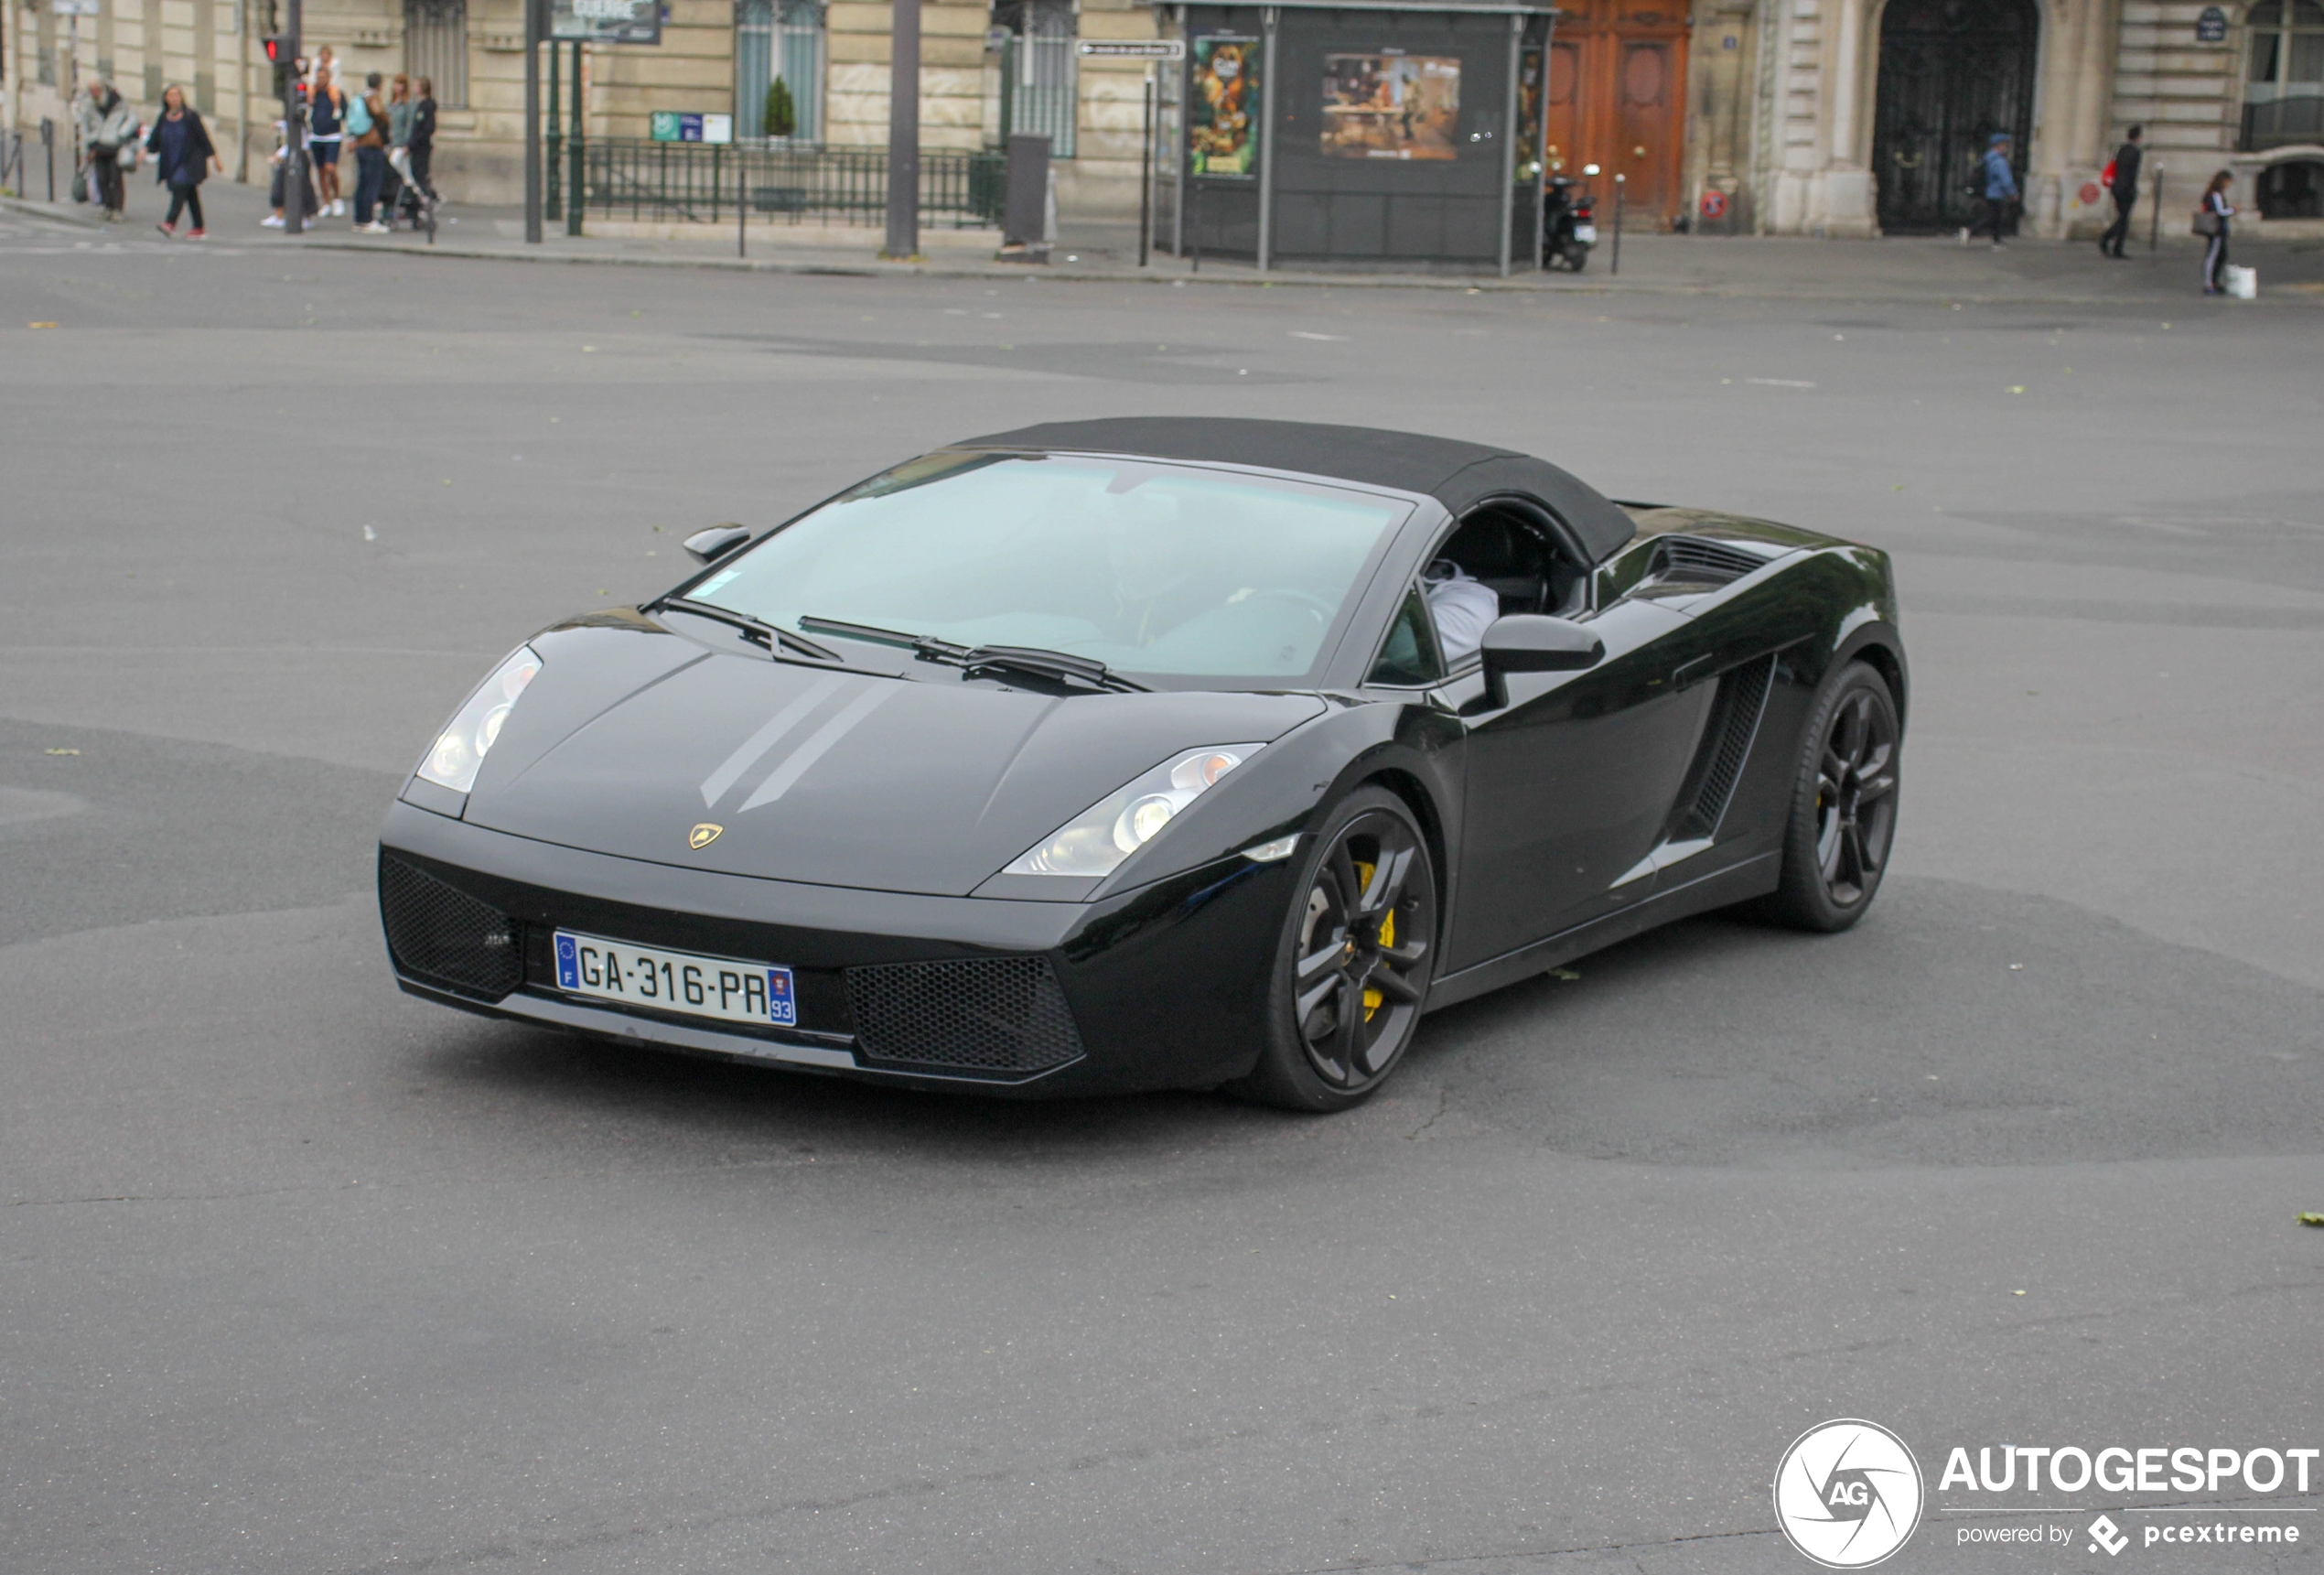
x,y
1458,475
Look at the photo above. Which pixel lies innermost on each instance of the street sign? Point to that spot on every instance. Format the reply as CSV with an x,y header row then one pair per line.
x,y
607,21
74,7
2211,27
677,125
1715,205
1132,49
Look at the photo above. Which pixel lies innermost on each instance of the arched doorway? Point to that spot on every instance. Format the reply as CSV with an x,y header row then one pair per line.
x,y
1952,72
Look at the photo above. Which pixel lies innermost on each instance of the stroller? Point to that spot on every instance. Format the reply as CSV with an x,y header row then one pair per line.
x,y
412,206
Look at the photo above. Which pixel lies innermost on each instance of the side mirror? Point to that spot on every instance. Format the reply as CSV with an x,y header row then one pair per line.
x,y
716,542
1531,643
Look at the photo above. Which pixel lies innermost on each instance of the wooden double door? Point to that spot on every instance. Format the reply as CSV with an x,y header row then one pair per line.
x,y
1617,99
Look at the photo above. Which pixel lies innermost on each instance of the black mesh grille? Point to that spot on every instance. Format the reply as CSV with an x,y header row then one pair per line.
x,y
443,936
1742,694
979,1014
1691,558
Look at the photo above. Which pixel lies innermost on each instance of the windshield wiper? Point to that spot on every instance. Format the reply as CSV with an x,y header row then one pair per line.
x,y
756,629
1033,661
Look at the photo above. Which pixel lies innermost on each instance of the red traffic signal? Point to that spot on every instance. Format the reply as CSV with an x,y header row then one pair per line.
x,y
278,49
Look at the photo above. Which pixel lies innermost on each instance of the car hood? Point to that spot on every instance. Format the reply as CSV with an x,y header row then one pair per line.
x,y
836,778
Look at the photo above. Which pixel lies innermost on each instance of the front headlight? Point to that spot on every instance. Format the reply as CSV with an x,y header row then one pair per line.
x,y
1096,841
461,746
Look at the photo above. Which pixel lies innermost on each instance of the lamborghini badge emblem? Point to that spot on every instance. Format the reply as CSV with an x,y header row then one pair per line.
x,y
702,836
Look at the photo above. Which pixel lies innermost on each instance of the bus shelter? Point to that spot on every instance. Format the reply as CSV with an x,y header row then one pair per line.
x,y
1362,133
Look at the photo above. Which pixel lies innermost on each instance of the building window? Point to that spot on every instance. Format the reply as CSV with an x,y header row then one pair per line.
x,y
779,39
2284,93
435,46
1039,79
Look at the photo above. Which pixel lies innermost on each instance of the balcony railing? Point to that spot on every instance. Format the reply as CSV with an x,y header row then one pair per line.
x,y
697,182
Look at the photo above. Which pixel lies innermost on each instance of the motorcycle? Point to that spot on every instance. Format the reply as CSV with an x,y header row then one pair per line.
x,y
1569,226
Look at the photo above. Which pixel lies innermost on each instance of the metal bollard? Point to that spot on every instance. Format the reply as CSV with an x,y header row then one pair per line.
x,y
1620,184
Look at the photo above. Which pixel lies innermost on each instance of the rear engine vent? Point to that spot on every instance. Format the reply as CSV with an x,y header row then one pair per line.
x,y
442,937
1003,1016
1692,559
1734,723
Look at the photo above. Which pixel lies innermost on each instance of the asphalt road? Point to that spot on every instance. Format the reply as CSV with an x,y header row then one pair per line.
x,y
297,1274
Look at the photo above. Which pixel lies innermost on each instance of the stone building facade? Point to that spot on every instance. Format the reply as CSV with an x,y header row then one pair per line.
x,y
1839,118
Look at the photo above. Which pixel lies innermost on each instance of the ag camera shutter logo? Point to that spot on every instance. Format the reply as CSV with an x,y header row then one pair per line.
x,y
1848,1494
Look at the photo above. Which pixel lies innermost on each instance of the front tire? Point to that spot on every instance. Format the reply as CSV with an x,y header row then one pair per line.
x,y
1354,962
1844,805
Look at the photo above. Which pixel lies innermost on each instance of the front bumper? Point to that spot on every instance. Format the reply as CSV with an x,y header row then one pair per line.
x,y
1160,987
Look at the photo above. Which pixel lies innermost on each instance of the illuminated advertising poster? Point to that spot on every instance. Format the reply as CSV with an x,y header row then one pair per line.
x,y
1223,116
1390,105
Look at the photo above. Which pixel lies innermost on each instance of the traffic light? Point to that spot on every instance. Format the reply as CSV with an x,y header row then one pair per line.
x,y
282,51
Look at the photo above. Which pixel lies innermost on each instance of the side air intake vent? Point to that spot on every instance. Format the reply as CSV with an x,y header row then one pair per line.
x,y
995,1016
442,937
1726,744
1693,559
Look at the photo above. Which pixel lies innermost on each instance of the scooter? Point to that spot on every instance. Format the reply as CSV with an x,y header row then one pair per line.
x,y
1568,221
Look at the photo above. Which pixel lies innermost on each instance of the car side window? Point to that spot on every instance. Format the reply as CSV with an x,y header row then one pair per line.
x,y
1408,657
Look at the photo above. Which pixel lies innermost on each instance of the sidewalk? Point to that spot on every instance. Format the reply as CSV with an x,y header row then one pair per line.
x,y
1907,269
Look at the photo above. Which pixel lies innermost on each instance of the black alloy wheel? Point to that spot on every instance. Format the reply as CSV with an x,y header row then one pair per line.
x,y
1844,811
1353,968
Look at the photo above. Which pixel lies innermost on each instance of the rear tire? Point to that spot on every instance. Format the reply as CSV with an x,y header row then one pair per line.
x,y
1353,961
1843,806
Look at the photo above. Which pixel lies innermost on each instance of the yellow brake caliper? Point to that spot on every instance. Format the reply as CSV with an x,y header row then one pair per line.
x,y
1372,998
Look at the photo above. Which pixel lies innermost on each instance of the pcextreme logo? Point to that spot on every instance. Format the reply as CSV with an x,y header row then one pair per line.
x,y
1848,1494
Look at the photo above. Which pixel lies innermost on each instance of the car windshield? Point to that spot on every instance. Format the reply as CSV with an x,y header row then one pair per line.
x,y
1147,566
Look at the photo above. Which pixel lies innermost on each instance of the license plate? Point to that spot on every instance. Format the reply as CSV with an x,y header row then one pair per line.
x,y
635,975
1585,233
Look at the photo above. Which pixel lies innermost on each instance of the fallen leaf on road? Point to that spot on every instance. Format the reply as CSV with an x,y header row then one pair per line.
x,y
2305,1219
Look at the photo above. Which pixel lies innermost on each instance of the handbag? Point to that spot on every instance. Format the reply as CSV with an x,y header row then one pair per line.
x,y
2206,222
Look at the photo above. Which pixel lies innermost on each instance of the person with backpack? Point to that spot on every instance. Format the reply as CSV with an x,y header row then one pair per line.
x,y
183,156
2211,219
107,126
367,129
1998,183
2121,179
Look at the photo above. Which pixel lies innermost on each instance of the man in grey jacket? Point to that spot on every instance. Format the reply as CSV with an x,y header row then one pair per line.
x,y
107,126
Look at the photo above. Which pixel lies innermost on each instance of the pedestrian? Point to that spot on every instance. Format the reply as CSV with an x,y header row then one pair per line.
x,y
2121,178
326,117
367,129
2211,219
278,186
422,144
399,134
1998,183
183,156
107,126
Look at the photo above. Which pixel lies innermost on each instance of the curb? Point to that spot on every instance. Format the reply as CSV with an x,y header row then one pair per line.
x,y
1545,287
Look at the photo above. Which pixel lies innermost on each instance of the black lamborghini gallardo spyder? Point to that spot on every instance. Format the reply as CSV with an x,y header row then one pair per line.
x,y
1151,753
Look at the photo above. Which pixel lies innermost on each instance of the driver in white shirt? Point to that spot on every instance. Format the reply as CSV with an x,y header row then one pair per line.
x,y
1461,606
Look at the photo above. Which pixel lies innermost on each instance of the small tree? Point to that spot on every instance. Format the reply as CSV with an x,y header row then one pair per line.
x,y
781,117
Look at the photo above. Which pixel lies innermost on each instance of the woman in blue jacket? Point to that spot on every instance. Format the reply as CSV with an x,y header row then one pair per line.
x,y
183,156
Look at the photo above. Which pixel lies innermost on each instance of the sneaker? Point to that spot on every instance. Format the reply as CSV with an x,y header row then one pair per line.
x,y
272,222
1964,234
167,230
339,208
374,228
197,234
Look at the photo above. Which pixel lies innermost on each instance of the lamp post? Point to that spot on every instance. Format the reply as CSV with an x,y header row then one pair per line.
x,y
533,29
903,134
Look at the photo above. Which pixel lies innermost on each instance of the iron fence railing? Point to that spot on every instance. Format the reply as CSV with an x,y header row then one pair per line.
x,y
696,182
